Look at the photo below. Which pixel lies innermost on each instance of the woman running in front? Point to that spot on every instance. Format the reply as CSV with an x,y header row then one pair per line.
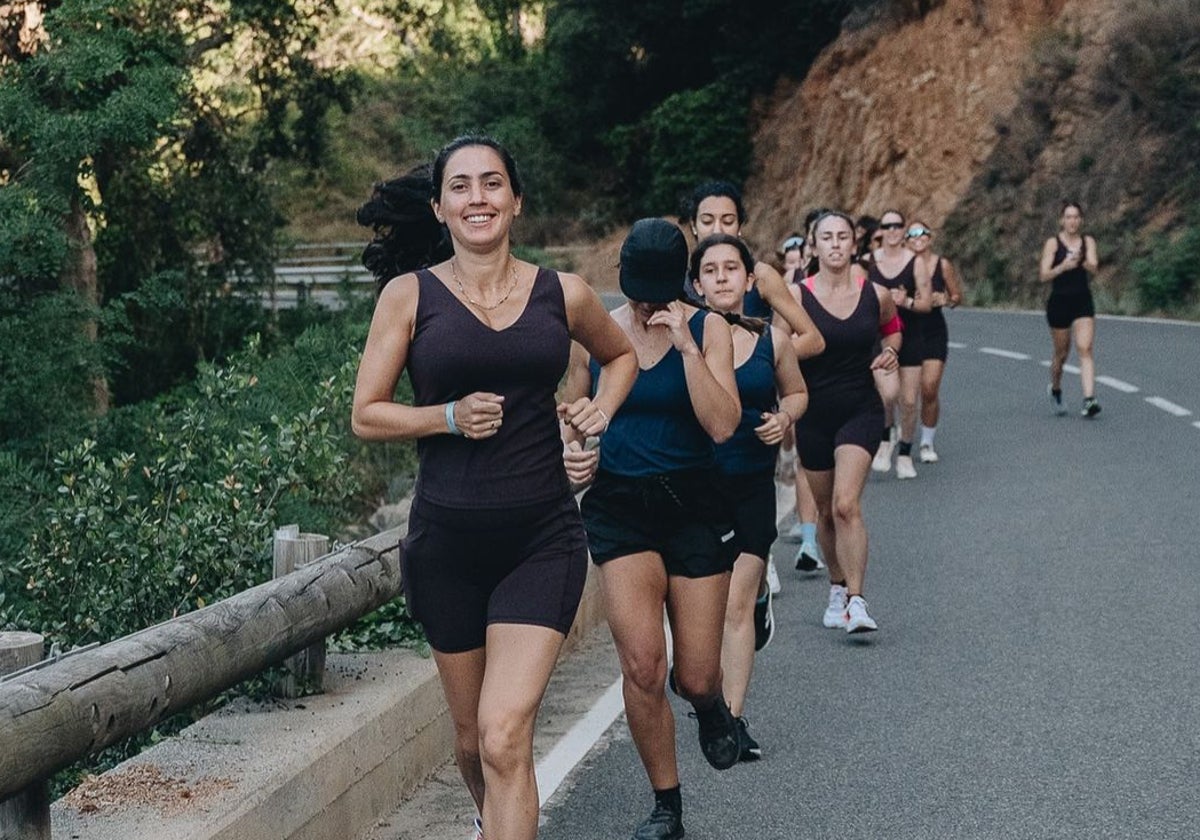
x,y
839,433
495,557
891,267
921,372
772,394
657,528
1068,261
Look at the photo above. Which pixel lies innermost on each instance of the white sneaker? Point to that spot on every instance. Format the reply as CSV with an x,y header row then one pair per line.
x,y
883,458
808,558
477,830
773,583
928,454
904,467
835,613
857,620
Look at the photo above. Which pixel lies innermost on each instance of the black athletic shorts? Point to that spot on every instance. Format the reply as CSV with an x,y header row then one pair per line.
x,y
752,496
837,420
912,344
683,516
1063,310
465,569
935,338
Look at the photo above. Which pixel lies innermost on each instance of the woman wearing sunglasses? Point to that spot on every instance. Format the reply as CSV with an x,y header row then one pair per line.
x,y
890,267
926,342
1068,260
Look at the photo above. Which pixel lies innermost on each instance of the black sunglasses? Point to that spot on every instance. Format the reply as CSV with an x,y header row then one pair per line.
x,y
891,226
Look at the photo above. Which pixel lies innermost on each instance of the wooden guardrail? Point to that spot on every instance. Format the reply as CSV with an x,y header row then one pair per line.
x,y
59,711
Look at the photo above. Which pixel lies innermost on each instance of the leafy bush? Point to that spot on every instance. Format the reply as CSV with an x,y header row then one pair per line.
x,y
1166,277
1156,56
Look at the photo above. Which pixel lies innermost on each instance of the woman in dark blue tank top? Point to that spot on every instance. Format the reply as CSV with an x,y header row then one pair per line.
x,y
772,394
1068,261
495,557
836,437
656,526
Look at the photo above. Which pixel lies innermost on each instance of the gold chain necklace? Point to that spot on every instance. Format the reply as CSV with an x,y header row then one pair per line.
x,y
512,269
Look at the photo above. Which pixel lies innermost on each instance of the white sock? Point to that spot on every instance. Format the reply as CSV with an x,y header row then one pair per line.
x,y
927,433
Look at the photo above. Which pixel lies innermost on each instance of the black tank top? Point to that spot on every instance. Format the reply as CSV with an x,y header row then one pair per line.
x,y
913,320
453,354
903,279
1071,282
845,367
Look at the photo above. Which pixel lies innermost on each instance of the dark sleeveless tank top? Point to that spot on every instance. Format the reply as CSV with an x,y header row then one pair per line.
x,y
754,306
656,431
902,279
845,366
1072,282
914,320
454,354
744,452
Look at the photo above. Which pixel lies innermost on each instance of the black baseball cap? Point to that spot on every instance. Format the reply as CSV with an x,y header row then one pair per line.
x,y
653,261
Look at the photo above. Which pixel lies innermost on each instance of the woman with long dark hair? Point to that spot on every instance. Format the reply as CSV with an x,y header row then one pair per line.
x,y
495,557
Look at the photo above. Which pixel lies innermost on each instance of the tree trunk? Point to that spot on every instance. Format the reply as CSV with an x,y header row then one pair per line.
x,y
80,276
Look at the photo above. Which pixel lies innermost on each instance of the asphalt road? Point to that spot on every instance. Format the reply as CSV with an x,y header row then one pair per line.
x,y
1038,595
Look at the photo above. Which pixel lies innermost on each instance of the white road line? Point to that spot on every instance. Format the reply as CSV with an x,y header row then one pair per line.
x,y
1124,387
1168,406
955,345
1066,368
574,745
1197,424
1004,354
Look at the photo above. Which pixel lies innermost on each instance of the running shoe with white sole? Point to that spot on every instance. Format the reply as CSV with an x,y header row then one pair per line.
x,y
904,467
808,558
719,735
477,830
764,621
857,619
751,751
1090,407
663,824
883,458
835,613
773,583
928,454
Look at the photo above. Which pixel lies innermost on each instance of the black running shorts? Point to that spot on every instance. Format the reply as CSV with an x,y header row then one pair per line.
x,y
838,420
752,496
465,569
681,516
1063,310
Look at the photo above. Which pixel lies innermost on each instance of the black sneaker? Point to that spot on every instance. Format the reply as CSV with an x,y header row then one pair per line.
x,y
720,739
751,751
663,824
1090,407
764,621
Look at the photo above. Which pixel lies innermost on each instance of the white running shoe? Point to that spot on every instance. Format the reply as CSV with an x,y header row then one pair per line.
x,y
835,613
773,583
857,620
904,467
928,454
808,558
795,533
477,830
883,458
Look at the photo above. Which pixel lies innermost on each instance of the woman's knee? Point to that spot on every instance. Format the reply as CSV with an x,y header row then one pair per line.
x,y
846,509
506,741
644,670
698,681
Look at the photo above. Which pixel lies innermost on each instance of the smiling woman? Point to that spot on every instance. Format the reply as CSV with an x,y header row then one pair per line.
x,y
495,557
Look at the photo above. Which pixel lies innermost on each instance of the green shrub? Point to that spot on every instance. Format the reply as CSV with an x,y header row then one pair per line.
x,y
1166,277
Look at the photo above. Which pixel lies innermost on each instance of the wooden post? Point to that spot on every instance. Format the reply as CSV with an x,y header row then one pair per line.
x,y
26,814
294,550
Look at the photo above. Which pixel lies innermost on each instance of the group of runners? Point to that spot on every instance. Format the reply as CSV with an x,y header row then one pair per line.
x,y
671,411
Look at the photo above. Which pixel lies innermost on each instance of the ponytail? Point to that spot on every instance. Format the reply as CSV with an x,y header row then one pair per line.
x,y
407,234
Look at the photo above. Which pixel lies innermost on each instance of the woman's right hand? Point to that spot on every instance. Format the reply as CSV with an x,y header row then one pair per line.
x,y
479,415
675,319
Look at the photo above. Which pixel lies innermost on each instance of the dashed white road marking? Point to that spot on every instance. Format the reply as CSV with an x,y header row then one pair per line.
x,y
1168,406
1066,368
1124,387
1197,424
1004,354
954,345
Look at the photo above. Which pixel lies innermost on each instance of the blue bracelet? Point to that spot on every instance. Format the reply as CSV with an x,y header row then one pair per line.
x,y
450,424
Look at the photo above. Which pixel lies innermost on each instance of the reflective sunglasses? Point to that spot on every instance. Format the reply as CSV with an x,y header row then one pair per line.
x,y
917,230
792,243
891,226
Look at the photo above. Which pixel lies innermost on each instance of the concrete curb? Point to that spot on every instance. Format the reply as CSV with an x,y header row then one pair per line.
x,y
317,768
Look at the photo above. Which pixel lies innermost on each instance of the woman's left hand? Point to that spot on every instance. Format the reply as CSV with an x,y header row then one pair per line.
x,y
888,361
938,299
584,416
581,464
675,319
899,295
773,428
